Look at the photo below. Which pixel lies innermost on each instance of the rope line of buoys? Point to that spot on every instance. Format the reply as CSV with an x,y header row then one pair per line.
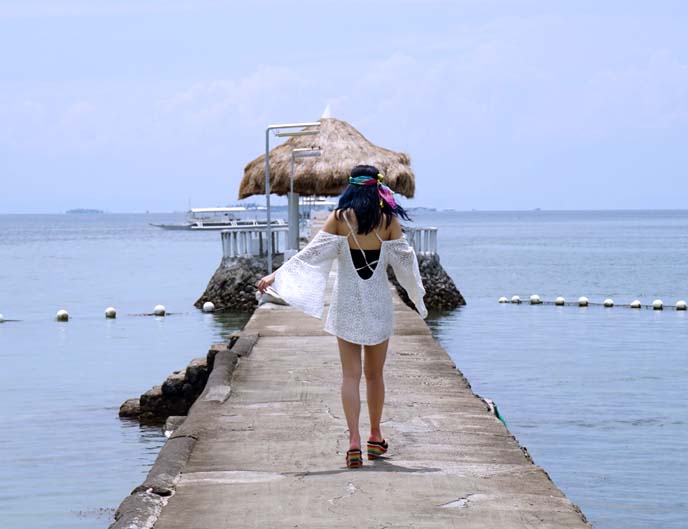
x,y
110,313
583,301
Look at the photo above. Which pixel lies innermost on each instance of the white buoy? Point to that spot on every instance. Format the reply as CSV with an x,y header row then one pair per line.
x,y
208,306
680,305
504,299
635,304
658,304
609,302
560,301
110,312
2,318
62,315
535,299
159,310
583,301
515,299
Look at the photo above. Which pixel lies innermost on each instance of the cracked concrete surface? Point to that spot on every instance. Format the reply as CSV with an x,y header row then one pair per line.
x,y
272,454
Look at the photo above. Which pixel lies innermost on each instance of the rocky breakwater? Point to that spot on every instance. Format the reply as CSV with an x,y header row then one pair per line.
x,y
441,292
233,285
176,394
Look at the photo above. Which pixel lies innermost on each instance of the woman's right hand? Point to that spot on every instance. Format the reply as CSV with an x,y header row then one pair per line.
x,y
265,282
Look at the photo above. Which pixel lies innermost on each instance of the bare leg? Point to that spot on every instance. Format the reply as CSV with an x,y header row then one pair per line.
x,y
375,356
350,355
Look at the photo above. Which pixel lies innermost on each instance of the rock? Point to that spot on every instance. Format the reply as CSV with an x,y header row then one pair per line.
x,y
197,372
441,292
178,392
173,384
130,408
156,406
151,397
176,406
190,393
152,404
233,285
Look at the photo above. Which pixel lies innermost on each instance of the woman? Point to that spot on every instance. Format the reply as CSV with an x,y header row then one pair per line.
x,y
364,235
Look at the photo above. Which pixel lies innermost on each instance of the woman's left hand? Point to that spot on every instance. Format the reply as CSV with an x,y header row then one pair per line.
x,y
265,282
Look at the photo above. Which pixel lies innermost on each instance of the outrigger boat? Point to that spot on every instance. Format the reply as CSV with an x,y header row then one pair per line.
x,y
218,219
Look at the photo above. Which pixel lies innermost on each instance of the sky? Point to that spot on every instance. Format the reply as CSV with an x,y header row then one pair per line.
x,y
135,105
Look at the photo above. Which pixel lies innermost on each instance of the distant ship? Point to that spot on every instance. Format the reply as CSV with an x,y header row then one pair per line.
x,y
221,218
217,219
84,211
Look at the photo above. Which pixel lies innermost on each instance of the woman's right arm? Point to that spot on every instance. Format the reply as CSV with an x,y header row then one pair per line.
x,y
315,251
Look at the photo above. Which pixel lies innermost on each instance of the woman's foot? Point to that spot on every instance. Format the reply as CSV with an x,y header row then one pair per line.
x,y
375,436
354,458
377,446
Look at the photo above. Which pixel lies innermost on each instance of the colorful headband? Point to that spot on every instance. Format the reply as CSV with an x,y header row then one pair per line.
x,y
383,191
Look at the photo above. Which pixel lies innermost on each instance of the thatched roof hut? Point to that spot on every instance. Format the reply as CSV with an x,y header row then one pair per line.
x,y
342,147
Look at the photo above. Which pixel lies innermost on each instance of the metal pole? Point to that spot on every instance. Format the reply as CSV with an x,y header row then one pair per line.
x,y
291,178
267,196
292,221
292,238
267,170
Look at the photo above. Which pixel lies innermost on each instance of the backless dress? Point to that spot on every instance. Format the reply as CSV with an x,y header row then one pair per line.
x,y
361,310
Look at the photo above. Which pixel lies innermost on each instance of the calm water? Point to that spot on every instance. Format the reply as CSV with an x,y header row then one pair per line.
x,y
595,394
67,459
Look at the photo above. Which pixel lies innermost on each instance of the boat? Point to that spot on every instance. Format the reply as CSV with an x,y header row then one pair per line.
x,y
218,219
317,202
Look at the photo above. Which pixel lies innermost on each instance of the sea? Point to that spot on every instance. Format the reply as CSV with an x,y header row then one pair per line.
x,y
596,395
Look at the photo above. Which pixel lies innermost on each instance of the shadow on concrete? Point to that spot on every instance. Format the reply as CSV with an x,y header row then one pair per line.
x,y
380,465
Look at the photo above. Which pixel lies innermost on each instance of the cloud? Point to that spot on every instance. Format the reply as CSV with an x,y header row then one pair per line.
x,y
499,87
99,116
492,97
519,80
249,99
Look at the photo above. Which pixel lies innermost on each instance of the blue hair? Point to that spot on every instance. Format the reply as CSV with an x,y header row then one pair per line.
x,y
365,202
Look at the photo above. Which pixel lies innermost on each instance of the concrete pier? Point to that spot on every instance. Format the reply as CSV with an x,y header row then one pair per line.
x,y
264,445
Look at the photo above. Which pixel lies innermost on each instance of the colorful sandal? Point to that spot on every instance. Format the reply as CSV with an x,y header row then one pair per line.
x,y
354,459
376,449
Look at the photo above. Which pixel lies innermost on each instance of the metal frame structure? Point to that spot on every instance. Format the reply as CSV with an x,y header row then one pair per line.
x,y
293,219
278,128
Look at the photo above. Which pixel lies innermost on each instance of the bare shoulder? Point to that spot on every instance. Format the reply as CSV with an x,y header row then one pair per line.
x,y
394,230
331,224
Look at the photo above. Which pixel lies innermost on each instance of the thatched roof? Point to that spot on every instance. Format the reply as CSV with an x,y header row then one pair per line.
x,y
343,147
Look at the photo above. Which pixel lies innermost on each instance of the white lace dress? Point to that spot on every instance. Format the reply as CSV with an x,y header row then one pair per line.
x,y
361,310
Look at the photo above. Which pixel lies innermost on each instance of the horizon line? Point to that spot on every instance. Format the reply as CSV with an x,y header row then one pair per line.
x,y
472,210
